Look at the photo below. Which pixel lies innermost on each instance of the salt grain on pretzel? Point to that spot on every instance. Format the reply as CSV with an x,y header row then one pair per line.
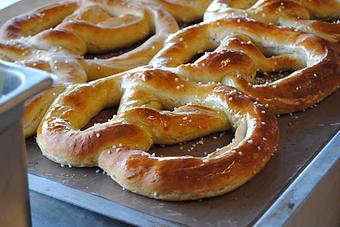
x,y
169,178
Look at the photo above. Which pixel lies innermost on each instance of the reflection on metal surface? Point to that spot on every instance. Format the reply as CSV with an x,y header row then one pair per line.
x,y
301,193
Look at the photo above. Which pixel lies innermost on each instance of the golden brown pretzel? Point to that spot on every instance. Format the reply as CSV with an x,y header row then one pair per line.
x,y
310,16
56,37
241,47
147,98
185,11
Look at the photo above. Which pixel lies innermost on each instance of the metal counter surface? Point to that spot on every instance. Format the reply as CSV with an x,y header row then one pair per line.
x,y
46,211
302,136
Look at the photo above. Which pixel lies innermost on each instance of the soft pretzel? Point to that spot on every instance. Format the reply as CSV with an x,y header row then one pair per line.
x,y
56,37
312,16
147,98
185,11
240,48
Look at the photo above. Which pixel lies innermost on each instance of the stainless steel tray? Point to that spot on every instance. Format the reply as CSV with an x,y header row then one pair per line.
x,y
302,137
19,84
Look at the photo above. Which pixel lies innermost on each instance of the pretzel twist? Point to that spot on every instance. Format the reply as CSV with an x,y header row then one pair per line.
x,y
239,48
310,16
146,98
56,37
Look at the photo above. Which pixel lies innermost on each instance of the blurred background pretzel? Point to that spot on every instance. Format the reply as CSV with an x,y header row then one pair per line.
x,y
55,38
244,53
185,11
313,16
159,107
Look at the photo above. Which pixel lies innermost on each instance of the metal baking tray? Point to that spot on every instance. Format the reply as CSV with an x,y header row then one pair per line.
x,y
302,136
17,83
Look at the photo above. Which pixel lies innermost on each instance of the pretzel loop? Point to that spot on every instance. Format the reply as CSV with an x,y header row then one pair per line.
x,y
154,106
310,16
241,47
55,38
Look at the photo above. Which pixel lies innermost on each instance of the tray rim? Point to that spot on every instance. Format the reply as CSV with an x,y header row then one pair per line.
x,y
279,213
325,160
94,203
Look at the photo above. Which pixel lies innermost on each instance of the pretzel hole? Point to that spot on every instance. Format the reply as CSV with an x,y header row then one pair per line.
x,y
331,20
272,63
269,52
119,51
267,78
103,116
182,24
281,64
200,147
198,55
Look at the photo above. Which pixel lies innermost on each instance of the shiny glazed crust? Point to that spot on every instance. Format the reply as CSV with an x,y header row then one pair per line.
x,y
185,11
310,16
238,48
120,145
56,37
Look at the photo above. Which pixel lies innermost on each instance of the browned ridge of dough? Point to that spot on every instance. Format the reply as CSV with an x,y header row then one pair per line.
x,y
320,18
56,37
145,97
242,48
185,11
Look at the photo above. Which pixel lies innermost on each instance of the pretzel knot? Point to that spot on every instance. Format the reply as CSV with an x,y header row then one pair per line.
x,y
56,37
158,107
240,47
311,16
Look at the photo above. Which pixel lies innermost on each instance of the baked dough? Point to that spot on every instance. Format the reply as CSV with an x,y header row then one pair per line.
x,y
185,11
241,47
312,16
56,37
145,98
